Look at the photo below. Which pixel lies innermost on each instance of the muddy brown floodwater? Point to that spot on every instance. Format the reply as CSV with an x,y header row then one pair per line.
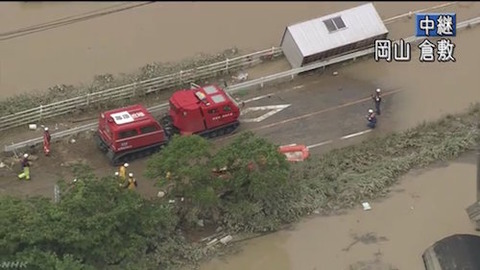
x,y
393,232
125,41
425,207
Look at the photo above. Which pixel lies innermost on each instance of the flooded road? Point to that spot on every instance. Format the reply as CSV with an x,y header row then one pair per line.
x,y
430,90
162,31
425,207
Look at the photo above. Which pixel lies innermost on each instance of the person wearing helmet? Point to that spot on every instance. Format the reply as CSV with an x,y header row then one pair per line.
x,y
372,119
25,163
123,172
377,99
131,183
117,177
46,141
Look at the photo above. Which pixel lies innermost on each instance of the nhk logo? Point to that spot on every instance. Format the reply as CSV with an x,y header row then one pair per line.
x,y
13,265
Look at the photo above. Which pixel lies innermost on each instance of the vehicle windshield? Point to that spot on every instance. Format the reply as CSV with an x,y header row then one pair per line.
x,y
231,98
173,107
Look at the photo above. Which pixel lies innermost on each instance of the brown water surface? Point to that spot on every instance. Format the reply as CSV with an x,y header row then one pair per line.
x,y
421,210
162,31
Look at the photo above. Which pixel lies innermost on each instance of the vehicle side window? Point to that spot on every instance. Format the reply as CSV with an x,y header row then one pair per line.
x,y
128,133
227,108
212,111
148,129
107,130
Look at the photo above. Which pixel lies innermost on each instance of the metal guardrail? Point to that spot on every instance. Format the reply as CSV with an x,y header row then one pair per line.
x,y
231,89
136,89
293,72
412,13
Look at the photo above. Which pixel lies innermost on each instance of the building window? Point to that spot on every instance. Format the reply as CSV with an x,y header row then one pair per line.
x,y
334,24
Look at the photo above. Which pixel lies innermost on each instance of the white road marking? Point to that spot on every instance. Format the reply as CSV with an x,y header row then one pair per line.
x,y
319,144
292,144
270,94
257,98
274,109
355,134
341,138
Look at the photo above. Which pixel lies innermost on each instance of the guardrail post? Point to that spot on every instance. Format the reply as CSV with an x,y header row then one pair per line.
x,y
292,77
261,84
88,99
134,88
226,65
41,111
181,73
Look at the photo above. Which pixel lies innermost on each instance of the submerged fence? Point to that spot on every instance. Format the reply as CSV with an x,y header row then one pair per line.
x,y
137,89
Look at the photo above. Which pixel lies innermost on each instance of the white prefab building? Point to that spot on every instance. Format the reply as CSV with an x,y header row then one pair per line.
x,y
332,35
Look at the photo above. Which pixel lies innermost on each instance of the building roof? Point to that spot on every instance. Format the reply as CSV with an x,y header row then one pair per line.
x,y
337,29
459,251
191,99
126,115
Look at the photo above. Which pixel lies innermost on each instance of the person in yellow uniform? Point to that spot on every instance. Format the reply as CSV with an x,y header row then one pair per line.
x,y
122,172
25,168
131,183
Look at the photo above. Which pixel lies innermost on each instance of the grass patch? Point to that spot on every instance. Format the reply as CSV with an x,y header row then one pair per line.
x,y
61,92
344,177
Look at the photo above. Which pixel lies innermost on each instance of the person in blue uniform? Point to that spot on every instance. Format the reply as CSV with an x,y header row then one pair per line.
x,y
377,99
372,119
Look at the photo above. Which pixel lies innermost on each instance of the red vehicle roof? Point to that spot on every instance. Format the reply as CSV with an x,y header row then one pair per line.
x,y
128,117
188,100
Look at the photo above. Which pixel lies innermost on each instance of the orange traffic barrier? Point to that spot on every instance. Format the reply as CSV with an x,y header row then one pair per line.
x,y
295,152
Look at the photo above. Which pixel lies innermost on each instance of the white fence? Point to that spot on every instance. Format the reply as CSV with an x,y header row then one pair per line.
x,y
136,89
233,88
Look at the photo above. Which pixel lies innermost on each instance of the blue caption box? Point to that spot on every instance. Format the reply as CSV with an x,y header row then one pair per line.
x,y
436,24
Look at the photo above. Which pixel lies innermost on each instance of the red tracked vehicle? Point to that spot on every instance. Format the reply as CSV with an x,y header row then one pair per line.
x,y
132,132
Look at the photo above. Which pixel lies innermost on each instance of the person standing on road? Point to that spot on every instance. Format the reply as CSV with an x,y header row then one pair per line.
x,y
372,119
131,183
123,172
25,163
377,99
46,141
